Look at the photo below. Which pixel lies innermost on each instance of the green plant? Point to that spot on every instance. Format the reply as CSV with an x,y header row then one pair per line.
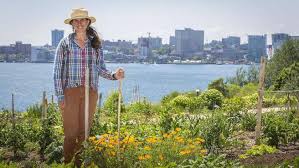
x,y
111,104
211,161
166,99
248,121
215,129
258,150
212,98
144,107
280,128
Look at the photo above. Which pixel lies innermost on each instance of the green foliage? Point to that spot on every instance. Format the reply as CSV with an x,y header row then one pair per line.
x,y
215,129
233,90
34,111
211,161
144,107
181,101
219,85
48,134
280,128
258,150
166,99
169,122
236,104
16,138
212,98
111,103
283,58
248,121
243,77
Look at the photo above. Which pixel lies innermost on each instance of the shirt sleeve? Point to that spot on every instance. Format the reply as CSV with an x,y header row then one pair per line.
x,y
58,72
101,67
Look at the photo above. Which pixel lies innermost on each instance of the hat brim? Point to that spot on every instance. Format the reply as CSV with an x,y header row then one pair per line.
x,y
68,21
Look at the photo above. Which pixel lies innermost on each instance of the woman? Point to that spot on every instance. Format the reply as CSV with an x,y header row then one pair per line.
x,y
78,50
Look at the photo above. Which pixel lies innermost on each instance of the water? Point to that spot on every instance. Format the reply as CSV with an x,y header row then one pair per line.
x,y
28,80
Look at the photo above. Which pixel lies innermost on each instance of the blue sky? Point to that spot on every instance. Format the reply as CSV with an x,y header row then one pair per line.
x,y
31,21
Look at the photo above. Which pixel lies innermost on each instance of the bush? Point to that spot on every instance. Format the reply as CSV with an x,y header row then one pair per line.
x,y
215,129
211,98
144,107
166,99
111,103
211,161
280,128
248,121
258,150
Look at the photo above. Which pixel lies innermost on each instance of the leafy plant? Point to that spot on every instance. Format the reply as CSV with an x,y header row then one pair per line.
x,y
258,150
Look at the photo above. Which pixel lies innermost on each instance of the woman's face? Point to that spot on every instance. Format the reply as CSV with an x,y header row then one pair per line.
x,y
80,25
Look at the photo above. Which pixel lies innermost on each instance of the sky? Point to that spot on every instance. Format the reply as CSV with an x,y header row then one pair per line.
x,y
31,21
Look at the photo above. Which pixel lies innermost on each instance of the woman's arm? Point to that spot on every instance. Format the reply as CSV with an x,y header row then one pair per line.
x,y
102,67
58,72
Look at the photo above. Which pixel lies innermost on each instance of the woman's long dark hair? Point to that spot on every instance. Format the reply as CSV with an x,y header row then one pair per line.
x,y
93,36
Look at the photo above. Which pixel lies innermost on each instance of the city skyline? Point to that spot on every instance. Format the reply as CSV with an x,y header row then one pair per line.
x,y
28,21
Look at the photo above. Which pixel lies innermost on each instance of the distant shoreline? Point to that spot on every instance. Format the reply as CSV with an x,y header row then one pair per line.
x,y
133,63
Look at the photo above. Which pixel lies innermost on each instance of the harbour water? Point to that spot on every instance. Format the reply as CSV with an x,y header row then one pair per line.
x,y
28,80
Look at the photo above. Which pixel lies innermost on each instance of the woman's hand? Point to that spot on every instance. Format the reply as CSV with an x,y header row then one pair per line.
x,y
119,74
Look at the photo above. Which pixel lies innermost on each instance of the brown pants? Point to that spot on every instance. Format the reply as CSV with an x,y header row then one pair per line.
x,y
73,119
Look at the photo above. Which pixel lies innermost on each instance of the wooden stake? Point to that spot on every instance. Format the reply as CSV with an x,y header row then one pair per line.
x,y
260,101
44,105
86,102
118,117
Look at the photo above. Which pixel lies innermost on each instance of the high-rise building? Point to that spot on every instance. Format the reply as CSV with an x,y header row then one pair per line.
x,y
231,42
155,42
257,46
144,47
278,39
188,41
172,40
57,35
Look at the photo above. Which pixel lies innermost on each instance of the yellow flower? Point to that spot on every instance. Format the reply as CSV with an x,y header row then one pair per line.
x,y
184,152
203,151
173,132
147,156
112,153
178,129
92,139
161,157
200,140
165,135
179,139
99,149
144,157
147,148
152,140
192,146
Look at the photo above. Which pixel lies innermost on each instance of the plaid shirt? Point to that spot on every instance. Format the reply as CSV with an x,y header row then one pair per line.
x,y
70,64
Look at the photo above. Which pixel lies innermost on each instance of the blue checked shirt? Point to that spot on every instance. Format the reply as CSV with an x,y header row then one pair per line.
x,y
70,64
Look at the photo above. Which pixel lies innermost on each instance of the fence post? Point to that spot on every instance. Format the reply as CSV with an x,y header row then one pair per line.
x,y
13,120
260,101
44,105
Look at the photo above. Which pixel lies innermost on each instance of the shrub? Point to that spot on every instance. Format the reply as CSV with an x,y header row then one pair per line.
x,y
211,98
166,99
280,128
248,121
144,107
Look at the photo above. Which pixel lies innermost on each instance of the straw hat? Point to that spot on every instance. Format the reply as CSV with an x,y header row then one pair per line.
x,y
79,13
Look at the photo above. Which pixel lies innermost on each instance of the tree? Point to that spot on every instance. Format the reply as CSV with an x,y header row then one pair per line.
x,y
288,79
283,58
219,85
